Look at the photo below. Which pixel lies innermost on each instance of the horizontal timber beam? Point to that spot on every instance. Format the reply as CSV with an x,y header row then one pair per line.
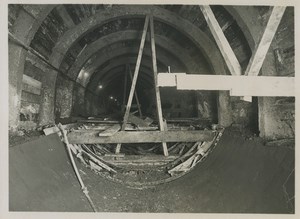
x,y
92,137
237,85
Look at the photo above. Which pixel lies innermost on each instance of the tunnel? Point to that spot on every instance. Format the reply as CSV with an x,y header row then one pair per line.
x,y
87,79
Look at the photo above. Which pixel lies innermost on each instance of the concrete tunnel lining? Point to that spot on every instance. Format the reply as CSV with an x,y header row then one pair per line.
x,y
249,158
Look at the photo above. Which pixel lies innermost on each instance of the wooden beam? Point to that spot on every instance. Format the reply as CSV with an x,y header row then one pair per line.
x,y
262,48
136,72
30,89
137,121
110,131
32,82
99,121
258,56
157,94
226,50
140,160
237,85
134,80
92,137
135,94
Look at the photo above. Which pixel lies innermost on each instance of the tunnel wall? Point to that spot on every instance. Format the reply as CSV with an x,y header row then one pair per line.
x,y
276,115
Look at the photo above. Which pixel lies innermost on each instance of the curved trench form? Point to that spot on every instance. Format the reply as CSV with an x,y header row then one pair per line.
x,y
103,85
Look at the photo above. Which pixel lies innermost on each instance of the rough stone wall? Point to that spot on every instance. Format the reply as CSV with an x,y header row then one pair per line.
x,y
64,97
31,97
186,104
277,114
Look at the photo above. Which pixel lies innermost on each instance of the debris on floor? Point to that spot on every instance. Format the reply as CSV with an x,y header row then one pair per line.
x,y
139,165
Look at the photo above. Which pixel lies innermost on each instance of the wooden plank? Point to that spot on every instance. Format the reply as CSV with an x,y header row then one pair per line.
x,y
137,121
92,137
157,94
99,121
110,131
237,85
30,89
167,79
265,86
259,55
55,129
225,49
30,97
148,121
139,158
32,82
134,80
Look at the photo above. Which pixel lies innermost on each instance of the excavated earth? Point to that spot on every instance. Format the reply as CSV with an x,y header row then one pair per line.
x,y
239,176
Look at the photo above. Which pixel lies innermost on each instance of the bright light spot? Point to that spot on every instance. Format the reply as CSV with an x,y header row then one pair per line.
x,y
111,97
100,86
115,99
85,74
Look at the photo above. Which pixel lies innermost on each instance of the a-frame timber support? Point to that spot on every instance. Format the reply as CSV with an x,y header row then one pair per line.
x,y
258,56
134,81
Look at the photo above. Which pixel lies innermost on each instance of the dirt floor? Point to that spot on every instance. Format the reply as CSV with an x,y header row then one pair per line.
x,y
239,176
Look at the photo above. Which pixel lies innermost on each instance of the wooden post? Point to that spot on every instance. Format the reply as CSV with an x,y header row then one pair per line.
x,y
158,100
135,94
134,80
259,55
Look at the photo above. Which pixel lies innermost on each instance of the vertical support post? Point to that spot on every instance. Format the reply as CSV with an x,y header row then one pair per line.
x,y
135,94
158,100
134,80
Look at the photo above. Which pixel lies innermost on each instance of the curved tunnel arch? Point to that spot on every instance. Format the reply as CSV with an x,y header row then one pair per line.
x,y
115,37
160,14
195,34
224,161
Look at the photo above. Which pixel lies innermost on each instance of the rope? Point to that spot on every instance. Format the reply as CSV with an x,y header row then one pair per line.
x,y
83,187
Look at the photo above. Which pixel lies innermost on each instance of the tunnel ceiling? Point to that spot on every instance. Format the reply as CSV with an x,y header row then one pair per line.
x,y
100,40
